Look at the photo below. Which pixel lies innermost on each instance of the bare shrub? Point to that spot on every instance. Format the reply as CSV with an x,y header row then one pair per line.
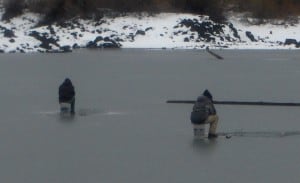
x,y
212,8
56,10
269,8
12,8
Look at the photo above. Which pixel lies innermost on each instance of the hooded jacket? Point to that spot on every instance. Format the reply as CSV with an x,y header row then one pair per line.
x,y
66,91
202,108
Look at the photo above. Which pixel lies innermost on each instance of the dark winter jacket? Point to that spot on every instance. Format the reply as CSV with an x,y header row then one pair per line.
x,y
202,108
66,91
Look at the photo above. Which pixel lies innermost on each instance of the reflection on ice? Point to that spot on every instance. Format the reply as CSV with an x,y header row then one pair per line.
x,y
203,145
84,112
88,112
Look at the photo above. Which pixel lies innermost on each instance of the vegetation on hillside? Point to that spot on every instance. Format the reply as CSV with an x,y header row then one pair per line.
x,y
268,8
55,10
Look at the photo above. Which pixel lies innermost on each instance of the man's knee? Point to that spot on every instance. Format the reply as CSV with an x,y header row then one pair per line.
x,y
212,119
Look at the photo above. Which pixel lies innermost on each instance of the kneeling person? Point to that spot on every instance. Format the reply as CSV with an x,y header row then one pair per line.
x,y
204,112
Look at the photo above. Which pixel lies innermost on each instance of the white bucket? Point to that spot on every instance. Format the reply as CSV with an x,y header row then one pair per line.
x,y
65,108
199,130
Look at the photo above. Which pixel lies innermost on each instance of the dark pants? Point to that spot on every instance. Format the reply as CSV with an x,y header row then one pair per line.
x,y
73,106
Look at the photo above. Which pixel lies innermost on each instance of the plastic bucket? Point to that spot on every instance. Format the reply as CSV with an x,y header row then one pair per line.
x,y
199,130
65,108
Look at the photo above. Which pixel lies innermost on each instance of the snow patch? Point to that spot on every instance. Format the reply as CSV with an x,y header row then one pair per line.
x,y
164,30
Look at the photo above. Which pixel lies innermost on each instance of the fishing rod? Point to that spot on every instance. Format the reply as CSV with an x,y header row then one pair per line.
x,y
261,103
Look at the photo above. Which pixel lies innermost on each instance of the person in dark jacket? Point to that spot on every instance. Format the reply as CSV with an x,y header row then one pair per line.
x,y
66,94
204,112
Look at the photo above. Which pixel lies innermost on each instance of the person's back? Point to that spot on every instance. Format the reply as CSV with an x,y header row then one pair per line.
x,y
66,94
204,112
66,91
201,110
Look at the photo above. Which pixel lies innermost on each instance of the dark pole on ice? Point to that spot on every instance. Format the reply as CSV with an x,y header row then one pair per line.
x,y
238,103
214,54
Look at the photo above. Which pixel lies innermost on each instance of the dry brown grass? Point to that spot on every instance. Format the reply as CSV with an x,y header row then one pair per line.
x,y
269,8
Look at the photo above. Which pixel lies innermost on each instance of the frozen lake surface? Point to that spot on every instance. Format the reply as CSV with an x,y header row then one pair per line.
x,y
124,130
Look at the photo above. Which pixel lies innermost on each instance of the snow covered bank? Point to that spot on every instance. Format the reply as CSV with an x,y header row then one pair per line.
x,y
165,30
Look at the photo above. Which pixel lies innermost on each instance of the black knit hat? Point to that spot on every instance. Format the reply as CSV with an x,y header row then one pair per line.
x,y
67,81
207,94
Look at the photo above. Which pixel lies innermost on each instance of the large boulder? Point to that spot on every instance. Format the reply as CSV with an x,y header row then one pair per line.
x,y
206,30
45,39
234,30
290,42
250,36
9,33
101,42
140,32
66,49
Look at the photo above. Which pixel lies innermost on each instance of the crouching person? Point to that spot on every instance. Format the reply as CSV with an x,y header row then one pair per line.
x,y
203,113
67,94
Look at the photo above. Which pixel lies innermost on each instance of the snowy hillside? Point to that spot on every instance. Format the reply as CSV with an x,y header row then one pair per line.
x,y
165,30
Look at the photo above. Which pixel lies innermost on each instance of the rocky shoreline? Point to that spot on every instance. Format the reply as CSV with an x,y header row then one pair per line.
x,y
163,31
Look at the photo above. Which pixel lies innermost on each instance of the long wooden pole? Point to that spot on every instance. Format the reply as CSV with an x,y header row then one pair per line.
x,y
214,54
238,103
